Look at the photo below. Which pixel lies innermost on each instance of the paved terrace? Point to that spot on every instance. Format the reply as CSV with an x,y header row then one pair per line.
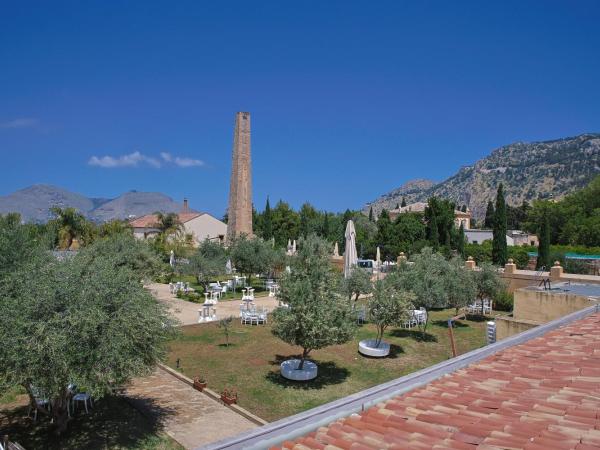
x,y
187,312
187,415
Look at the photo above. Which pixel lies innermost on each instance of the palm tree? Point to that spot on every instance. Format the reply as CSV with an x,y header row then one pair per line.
x,y
168,223
70,224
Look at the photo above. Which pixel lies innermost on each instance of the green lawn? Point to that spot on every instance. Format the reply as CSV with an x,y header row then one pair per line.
x,y
112,424
251,363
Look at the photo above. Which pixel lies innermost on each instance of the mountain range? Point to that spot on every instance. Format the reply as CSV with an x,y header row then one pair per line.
x,y
34,203
528,171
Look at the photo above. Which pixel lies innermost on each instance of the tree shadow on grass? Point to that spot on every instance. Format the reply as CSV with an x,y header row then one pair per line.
x,y
112,423
444,324
328,374
478,318
416,335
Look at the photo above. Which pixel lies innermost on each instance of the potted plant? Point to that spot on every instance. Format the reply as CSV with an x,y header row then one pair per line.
x,y
229,396
200,383
387,306
318,316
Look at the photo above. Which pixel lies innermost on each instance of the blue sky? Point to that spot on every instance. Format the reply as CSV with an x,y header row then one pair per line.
x,y
377,93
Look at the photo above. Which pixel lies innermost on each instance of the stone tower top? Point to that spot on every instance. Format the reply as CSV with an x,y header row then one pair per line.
x,y
239,210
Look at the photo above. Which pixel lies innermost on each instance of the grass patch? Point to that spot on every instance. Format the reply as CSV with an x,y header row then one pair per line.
x,y
251,365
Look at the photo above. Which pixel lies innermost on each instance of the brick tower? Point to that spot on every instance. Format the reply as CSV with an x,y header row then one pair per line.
x,y
240,191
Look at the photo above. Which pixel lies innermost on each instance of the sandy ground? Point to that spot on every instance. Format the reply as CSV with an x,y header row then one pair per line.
x,y
187,312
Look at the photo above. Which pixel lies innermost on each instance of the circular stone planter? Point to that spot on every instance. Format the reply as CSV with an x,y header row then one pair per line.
x,y
289,370
367,347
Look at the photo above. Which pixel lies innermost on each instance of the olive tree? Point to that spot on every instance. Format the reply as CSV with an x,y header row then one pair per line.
x,y
424,277
388,306
359,282
83,321
318,316
125,252
460,284
207,263
252,256
487,282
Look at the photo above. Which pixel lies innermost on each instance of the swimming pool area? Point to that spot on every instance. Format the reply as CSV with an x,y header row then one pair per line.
x,y
585,290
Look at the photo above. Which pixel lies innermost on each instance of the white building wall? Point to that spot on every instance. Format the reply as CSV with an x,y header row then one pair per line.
x,y
206,227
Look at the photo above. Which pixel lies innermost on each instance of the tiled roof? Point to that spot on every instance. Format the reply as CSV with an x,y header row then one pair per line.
x,y
149,220
543,394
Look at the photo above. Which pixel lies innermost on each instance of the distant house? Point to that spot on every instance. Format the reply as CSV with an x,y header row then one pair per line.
x,y
513,237
460,217
199,224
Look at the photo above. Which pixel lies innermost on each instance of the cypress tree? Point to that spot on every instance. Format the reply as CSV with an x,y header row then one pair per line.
x,y
397,205
433,235
403,204
267,222
371,214
463,208
543,259
460,245
499,248
325,229
489,216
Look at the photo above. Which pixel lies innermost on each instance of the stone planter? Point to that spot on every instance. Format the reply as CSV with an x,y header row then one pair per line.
x,y
367,348
289,370
229,397
199,385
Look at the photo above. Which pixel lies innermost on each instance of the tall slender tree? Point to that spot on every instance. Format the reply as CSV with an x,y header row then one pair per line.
x,y
371,214
543,259
403,204
489,215
460,243
267,222
499,246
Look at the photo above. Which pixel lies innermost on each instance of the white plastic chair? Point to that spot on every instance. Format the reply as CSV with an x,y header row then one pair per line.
x,y
82,397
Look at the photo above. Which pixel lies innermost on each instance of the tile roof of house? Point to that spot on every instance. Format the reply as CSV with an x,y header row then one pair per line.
x,y
542,394
149,220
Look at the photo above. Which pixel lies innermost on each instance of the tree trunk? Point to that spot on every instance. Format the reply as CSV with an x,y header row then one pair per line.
x,y
60,411
304,355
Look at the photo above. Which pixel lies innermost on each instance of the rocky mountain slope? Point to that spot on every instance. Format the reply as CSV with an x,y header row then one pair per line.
x,y
548,169
34,203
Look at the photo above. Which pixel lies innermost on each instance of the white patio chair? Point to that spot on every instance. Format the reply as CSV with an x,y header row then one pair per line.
x,y
82,397
487,306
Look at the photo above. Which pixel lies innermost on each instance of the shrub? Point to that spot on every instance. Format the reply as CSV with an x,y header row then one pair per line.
x,y
503,301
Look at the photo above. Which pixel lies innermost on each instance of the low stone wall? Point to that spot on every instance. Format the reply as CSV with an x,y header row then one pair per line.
x,y
507,326
545,306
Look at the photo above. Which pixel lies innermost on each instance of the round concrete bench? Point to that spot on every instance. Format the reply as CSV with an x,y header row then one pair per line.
x,y
289,370
367,347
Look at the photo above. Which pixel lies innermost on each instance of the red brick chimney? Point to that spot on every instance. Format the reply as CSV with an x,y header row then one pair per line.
x,y
185,206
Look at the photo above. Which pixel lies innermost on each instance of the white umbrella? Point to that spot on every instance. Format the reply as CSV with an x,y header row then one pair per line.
x,y
228,267
172,259
378,257
294,247
350,255
336,250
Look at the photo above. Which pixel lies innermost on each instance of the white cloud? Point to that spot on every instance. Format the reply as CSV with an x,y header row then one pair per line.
x,y
188,162
131,160
137,159
26,122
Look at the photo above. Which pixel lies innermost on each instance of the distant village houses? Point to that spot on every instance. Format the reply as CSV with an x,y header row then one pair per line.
x,y
460,217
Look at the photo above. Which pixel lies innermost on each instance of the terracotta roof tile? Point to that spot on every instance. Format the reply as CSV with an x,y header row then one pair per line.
x,y
543,394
